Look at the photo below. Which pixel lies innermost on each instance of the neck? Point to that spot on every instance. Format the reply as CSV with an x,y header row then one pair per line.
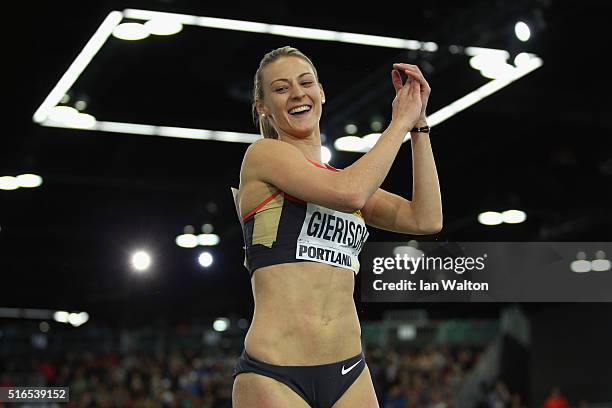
x,y
310,146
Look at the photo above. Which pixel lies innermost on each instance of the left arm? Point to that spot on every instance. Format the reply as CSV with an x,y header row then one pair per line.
x,y
390,212
427,202
423,215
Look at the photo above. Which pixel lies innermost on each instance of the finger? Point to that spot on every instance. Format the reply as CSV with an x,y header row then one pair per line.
x,y
416,88
408,85
415,72
419,78
396,79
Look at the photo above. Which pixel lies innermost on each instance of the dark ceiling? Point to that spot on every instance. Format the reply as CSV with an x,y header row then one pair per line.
x,y
542,145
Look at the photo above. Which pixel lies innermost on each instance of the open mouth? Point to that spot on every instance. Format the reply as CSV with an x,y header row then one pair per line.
x,y
300,111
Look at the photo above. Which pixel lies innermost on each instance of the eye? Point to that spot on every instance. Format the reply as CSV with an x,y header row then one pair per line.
x,y
307,83
280,89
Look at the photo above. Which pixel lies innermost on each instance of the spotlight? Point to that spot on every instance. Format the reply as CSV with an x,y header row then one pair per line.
x,y
141,261
580,265
205,259
351,128
490,218
80,105
522,31
130,31
9,183
326,154
163,26
376,124
29,180
221,324
186,241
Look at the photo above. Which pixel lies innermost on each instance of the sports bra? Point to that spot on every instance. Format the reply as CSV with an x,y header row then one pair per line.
x,y
284,229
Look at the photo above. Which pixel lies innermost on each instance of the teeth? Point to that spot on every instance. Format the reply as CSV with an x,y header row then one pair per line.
x,y
300,109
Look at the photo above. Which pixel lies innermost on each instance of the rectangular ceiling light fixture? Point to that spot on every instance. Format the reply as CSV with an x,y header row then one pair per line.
x,y
46,115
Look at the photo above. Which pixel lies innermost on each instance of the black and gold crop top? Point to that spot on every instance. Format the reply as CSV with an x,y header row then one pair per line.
x,y
286,229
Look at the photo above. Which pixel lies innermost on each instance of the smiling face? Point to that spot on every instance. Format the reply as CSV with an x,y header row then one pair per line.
x,y
292,97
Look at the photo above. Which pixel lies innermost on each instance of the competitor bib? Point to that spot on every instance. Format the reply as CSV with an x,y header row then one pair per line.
x,y
331,237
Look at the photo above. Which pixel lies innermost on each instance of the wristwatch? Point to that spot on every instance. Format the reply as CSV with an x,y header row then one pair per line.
x,y
424,129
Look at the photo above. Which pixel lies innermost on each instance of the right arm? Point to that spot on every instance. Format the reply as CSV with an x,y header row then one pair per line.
x,y
284,166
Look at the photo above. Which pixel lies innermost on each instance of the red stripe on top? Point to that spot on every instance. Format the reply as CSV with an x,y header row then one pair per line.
x,y
326,166
331,167
266,201
287,196
292,198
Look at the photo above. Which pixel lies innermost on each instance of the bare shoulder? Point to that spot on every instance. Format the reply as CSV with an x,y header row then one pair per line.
x,y
283,166
266,152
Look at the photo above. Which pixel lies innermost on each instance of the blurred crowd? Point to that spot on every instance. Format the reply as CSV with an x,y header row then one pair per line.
x,y
430,377
179,378
202,377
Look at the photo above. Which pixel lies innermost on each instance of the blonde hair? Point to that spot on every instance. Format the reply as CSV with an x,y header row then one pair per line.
x,y
266,128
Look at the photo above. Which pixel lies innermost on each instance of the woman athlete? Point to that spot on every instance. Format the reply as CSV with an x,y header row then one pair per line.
x,y
304,224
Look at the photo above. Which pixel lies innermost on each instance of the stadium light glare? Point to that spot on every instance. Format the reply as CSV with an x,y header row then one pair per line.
x,y
514,216
187,241
522,31
406,332
483,60
163,26
370,140
208,239
80,105
221,324
326,154
130,31
78,65
9,183
78,319
496,71
580,266
490,218
82,121
349,144
29,180
61,316
205,259
141,261
303,32
63,114
521,59
351,128
113,20
600,264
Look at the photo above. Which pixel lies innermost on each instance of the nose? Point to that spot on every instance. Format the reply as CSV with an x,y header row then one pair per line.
x,y
297,94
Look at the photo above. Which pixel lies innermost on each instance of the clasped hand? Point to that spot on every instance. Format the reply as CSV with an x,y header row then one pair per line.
x,y
411,97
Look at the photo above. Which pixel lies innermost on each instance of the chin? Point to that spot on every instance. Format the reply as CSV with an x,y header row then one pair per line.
x,y
300,131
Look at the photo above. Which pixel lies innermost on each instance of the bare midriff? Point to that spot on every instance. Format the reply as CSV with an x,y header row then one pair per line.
x,y
304,315
304,311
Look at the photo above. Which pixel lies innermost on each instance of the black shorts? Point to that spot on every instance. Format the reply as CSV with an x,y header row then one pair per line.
x,y
319,385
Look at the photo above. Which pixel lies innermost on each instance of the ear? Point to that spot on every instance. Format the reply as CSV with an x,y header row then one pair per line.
x,y
261,109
